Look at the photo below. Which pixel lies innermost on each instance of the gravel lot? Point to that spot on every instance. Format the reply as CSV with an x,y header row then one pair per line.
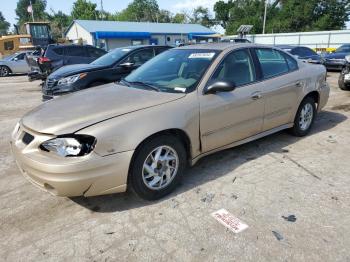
x,y
258,182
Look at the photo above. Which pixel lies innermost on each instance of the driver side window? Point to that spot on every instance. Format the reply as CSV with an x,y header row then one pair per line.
x,y
237,67
141,57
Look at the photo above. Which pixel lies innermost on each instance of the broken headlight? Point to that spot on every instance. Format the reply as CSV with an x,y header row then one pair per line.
x,y
68,146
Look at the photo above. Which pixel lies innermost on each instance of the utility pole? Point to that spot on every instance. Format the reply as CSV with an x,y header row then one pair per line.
x,y
265,13
102,12
32,10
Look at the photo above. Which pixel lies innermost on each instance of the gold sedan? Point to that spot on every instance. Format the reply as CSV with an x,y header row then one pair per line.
x,y
186,103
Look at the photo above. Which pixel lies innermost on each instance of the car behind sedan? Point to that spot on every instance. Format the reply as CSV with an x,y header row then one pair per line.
x,y
336,61
180,106
303,53
14,64
110,67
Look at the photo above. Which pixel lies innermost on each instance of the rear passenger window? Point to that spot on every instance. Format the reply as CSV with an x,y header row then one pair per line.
x,y
160,50
58,51
292,64
76,51
237,67
94,52
272,62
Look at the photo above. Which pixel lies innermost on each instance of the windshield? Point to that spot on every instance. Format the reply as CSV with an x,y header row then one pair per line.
x,y
111,57
343,49
176,70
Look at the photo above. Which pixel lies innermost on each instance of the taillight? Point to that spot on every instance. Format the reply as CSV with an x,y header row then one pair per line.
x,y
42,60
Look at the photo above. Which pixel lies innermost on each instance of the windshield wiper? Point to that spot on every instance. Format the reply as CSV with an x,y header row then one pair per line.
x,y
145,84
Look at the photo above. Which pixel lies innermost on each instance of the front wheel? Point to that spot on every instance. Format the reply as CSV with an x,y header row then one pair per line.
x,y
158,167
305,117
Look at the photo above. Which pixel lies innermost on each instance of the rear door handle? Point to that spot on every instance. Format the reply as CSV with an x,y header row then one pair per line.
x,y
256,96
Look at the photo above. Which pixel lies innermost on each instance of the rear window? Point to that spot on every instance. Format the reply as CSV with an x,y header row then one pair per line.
x,y
272,62
95,52
9,45
75,51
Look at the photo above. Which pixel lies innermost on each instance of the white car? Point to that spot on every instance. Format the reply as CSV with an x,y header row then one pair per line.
x,y
14,64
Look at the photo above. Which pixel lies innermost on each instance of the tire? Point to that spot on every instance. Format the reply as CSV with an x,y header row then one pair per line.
x,y
164,176
4,71
341,82
302,128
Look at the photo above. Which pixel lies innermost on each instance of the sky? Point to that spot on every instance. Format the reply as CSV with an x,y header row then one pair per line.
x,y
111,6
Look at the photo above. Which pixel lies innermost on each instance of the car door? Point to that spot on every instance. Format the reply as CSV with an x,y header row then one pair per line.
x,y
133,61
19,65
76,55
280,86
227,117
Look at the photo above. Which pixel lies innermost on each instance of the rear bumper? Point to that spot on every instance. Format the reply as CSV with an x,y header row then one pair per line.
x,y
334,66
89,175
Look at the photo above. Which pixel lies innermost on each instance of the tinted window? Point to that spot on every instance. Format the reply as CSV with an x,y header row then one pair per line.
x,y
75,51
237,67
303,52
9,45
343,49
21,56
39,31
112,57
292,64
160,50
95,53
58,50
141,57
272,62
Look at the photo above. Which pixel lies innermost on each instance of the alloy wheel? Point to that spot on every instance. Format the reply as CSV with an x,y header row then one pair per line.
x,y
306,116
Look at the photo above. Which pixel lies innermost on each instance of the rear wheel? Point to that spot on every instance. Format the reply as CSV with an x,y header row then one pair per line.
x,y
305,117
341,82
158,167
4,71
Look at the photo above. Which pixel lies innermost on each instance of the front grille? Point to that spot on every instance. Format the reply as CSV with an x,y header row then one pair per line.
x,y
50,83
27,138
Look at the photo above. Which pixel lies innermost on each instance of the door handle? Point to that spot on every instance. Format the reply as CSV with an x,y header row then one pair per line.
x,y
298,84
256,96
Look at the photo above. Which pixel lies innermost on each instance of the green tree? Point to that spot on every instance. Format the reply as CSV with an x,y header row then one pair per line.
x,y
59,23
283,15
140,11
38,8
200,15
4,25
179,18
84,10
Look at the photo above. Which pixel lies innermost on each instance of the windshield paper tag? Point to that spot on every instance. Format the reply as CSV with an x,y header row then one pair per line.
x,y
202,55
181,89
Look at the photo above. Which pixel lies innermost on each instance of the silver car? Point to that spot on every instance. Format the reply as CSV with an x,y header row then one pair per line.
x,y
14,64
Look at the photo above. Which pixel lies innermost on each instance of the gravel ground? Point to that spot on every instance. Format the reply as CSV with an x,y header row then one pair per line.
x,y
260,183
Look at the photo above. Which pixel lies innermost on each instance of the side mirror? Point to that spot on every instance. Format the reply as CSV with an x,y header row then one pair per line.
x,y
220,86
126,65
347,58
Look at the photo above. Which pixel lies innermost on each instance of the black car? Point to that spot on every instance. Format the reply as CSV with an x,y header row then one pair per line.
x,y
336,60
56,56
111,67
303,53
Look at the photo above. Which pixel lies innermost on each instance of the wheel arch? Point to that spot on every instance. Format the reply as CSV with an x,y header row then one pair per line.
x,y
315,95
9,68
176,132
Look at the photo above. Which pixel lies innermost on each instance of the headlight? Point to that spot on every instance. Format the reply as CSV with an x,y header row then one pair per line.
x,y
71,79
68,146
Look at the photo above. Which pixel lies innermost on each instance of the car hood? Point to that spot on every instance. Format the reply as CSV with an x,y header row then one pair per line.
x,y
336,56
69,70
70,113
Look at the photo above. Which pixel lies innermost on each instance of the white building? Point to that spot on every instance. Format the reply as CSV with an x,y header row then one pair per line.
x,y
112,34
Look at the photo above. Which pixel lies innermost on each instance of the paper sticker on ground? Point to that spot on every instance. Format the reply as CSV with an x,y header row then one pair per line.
x,y
229,221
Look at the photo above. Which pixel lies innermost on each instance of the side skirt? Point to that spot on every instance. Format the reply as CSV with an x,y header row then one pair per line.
x,y
243,141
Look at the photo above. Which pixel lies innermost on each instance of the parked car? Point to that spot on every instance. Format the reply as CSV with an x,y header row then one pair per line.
x,y
56,56
303,53
344,76
110,67
14,64
178,107
336,60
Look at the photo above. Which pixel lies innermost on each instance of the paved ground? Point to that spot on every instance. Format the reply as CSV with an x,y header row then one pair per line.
x,y
259,182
